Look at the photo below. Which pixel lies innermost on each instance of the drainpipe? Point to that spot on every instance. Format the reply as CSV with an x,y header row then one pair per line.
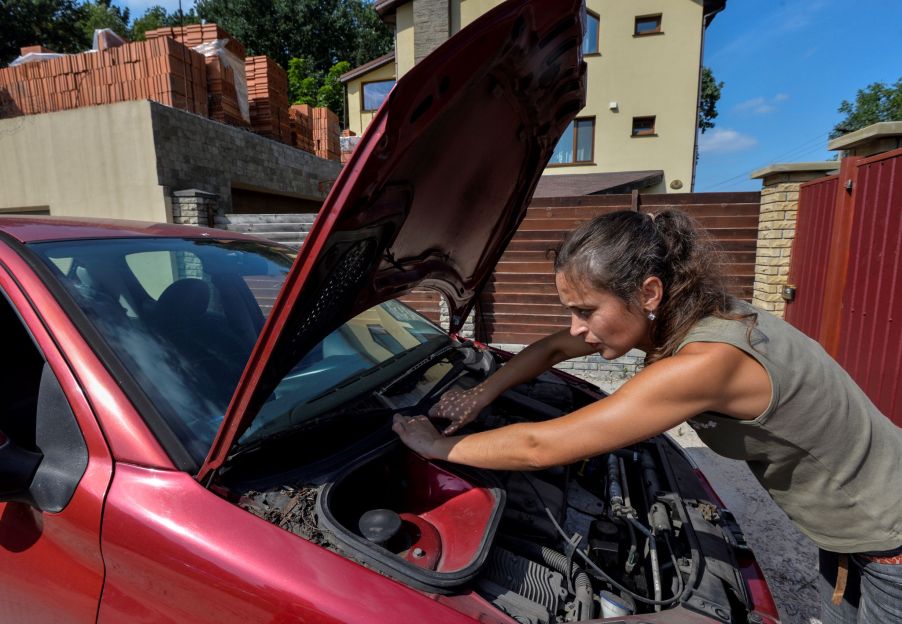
x,y
698,98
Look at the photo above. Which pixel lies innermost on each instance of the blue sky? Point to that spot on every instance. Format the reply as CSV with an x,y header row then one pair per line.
x,y
787,65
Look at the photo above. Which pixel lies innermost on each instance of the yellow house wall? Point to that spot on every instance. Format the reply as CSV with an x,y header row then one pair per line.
x,y
358,119
466,11
404,56
75,162
649,75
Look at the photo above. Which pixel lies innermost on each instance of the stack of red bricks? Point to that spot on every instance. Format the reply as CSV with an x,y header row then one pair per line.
x,y
162,70
193,35
222,82
300,117
267,97
326,142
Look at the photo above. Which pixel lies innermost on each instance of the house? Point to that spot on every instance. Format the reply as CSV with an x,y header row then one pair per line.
x,y
638,128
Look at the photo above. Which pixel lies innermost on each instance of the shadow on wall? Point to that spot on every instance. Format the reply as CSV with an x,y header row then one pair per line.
x,y
8,107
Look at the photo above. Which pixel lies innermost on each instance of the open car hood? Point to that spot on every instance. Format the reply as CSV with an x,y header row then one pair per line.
x,y
434,191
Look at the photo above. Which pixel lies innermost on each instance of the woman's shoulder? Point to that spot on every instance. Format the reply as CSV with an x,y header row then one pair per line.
x,y
737,326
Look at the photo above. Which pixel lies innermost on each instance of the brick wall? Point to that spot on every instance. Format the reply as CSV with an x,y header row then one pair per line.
x,y
776,229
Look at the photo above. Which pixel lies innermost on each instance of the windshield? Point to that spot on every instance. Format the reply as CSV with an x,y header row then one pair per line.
x,y
181,315
367,352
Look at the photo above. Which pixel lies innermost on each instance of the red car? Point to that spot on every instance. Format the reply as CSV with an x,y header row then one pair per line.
x,y
196,427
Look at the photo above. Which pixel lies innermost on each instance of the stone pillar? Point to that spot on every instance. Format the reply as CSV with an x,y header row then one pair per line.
x,y
431,26
777,227
194,207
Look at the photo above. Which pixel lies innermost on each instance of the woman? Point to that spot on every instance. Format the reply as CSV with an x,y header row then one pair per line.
x,y
754,387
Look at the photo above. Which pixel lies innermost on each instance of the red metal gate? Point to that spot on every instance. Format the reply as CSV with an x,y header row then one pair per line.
x,y
870,344
847,266
808,273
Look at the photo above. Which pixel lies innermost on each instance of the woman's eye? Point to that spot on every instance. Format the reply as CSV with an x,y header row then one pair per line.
x,y
584,314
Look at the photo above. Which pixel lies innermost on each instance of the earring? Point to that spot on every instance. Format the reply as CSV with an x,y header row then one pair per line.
x,y
651,316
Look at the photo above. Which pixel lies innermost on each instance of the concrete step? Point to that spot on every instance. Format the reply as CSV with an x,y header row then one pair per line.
x,y
264,229
282,236
266,218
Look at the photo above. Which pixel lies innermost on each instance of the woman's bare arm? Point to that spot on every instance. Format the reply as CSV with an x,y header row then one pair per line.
x,y
702,377
461,407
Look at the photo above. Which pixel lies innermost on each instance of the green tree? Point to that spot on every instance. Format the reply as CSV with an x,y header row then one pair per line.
x,y
303,81
875,103
707,105
157,17
322,31
332,94
102,14
55,24
308,86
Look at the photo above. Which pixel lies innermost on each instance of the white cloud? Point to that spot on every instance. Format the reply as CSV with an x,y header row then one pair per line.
x,y
758,106
723,140
761,105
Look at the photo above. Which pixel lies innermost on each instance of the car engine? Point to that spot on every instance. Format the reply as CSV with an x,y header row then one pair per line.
x,y
629,532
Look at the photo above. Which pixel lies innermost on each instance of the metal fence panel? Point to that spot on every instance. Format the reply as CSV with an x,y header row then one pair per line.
x,y
870,347
811,247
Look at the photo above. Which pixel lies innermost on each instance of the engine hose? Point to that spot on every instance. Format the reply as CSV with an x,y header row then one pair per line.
x,y
632,557
604,575
655,569
615,492
649,476
582,585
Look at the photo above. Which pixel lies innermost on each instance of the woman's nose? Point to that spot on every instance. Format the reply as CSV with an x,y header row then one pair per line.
x,y
577,326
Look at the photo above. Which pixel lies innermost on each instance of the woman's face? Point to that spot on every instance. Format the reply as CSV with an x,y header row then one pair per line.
x,y
602,319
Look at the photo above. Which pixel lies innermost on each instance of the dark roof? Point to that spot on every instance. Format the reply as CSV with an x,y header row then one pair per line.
x,y
375,63
385,7
571,185
711,8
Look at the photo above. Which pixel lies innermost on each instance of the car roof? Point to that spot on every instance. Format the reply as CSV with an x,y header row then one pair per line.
x,y
33,229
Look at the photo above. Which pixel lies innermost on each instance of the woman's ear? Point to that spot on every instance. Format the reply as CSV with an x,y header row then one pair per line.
x,y
651,293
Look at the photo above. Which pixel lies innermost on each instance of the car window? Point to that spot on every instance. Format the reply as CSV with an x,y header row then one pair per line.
x,y
181,315
157,270
378,337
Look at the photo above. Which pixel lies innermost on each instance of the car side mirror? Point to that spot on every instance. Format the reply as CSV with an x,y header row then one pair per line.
x,y
17,469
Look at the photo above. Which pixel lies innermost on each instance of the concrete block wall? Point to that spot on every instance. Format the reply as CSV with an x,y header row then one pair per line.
x,y
193,152
194,207
431,26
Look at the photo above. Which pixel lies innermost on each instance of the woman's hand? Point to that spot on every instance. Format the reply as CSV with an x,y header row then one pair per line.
x,y
460,407
418,434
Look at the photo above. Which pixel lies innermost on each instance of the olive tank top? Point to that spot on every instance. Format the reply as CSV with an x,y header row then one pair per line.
x,y
821,449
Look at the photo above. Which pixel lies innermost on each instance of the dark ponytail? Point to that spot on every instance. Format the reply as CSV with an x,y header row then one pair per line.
x,y
616,252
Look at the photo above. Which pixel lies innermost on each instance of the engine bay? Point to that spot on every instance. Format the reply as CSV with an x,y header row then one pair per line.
x,y
628,532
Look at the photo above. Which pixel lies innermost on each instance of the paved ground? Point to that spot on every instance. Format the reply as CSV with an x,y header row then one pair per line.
x,y
788,558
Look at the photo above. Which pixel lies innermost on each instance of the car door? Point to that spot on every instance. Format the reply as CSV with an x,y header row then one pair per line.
x,y
51,568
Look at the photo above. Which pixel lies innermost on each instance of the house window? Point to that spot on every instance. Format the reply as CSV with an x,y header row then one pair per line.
x,y
577,145
590,41
644,126
374,93
648,25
